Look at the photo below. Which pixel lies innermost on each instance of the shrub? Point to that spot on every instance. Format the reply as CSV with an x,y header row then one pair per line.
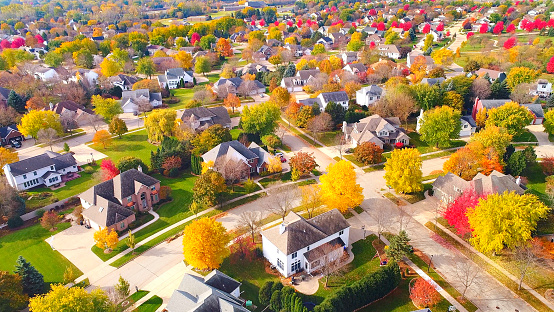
x,y
265,293
89,170
165,192
39,213
368,153
15,222
362,292
547,165
131,162
174,172
249,186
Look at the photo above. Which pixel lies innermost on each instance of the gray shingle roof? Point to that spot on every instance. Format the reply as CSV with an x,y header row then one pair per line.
x,y
470,120
108,216
300,233
41,161
306,73
223,148
337,96
218,115
536,109
488,104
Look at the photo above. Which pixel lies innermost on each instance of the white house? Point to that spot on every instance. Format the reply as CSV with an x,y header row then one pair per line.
x,y
349,57
131,99
84,74
369,95
355,68
467,122
173,76
337,97
124,82
544,88
46,73
297,82
300,244
45,169
389,50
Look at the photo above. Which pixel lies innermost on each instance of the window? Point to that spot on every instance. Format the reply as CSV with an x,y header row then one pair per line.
x,y
35,173
341,232
51,167
308,248
280,264
24,176
129,199
122,225
295,266
153,188
294,254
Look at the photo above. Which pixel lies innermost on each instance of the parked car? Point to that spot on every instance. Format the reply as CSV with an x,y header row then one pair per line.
x,y
15,143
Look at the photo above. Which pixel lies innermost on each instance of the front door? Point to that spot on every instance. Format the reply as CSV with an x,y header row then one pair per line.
x,y
143,200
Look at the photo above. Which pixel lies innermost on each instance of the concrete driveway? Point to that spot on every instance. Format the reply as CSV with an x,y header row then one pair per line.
x,y
74,244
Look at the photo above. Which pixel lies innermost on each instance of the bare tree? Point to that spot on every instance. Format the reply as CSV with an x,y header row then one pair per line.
x,y
320,123
329,261
222,91
522,93
251,220
311,198
70,92
396,104
9,203
47,136
481,88
95,121
280,132
318,81
202,96
383,218
67,119
232,170
282,199
526,260
466,272
143,105
340,142
403,217
246,88
347,76
286,56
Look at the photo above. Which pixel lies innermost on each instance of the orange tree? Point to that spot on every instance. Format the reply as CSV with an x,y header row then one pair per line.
x,y
302,163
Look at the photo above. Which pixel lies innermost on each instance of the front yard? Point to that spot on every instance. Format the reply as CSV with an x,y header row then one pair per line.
x,y
132,144
30,243
424,148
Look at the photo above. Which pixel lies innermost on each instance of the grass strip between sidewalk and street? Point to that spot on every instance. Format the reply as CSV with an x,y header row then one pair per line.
x,y
499,276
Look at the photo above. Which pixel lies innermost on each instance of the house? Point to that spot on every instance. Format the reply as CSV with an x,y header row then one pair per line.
x,y
215,292
369,95
233,85
437,35
373,38
449,187
4,94
78,112
389,50
337,97
433,81
253,69
254,157
9,133
326,42
468,125
355,68
173,76
543,89
298,50
90,76
349,57
42,170
491,75
535,109
130,100
297,82
267,51
123,81
200,118
376,129
337,37
46,73
299,244
113,203
413,55
274,43
255,4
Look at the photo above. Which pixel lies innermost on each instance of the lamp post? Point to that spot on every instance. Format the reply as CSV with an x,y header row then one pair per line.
x,y
91,158
363,228
429,265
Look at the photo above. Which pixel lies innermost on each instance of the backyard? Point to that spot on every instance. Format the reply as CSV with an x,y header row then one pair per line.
x,y
132,144
30,243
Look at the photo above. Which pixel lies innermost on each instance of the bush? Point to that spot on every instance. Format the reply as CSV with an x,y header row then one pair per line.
x,y
249,186
368,153
265,293
131,162
39,213
271,140
362,292
174,172
89,170
14,222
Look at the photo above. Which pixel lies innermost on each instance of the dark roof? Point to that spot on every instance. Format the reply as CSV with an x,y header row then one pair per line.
x,y
221,281
218,115
117,213
221,150
451,185
536,109
124,184
494,103
71,106
310,101
41,161
323,250
337,96
5,131
4,93
307,73
470,120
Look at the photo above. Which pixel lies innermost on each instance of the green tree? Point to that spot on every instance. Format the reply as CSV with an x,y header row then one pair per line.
x,y
106,107
207,187
440,125
117,127
146,67
122,288
495,137
160,124
318,49
261,118
511,116
398,247
403,170
31,279
505,220
516,163
202,65
548,122
454,100
16,101
130,162
210,138
207,41
336,111
426,96
53,59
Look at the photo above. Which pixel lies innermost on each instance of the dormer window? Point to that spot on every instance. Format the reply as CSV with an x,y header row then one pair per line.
x,y
35,173
153,188
24,176
51,167
129,199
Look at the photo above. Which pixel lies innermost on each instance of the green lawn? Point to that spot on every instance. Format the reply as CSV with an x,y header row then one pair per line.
x,y
424,148
526,136
29,243
132,144
71,188
184,96
327,138
235,133
353,160
170,212
150,305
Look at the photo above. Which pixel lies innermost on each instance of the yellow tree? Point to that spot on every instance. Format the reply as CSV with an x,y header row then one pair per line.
x,y
443,56
339,188
160,123
505,220
481,117
511,116
274,165
102,137
464,163
281,97
403,170
205,244
109,67
223,47
75,299
184,58
7,156
495,137
232,101
35,120
106,107
106,239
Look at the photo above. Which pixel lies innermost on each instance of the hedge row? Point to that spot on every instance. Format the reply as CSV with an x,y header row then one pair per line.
x,y
362,292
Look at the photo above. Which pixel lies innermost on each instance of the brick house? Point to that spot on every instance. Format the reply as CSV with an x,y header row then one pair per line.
x,y
254,157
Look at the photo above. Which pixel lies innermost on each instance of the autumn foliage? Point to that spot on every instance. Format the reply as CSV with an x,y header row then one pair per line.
x,y
205,244
303,163
108,169
455,212
243,249
106,239
102,137
339,188
368,153
49,220
424,294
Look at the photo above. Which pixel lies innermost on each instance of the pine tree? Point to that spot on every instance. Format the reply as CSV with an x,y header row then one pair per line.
x,y
31,279
398,247
181,83
195,164
15,101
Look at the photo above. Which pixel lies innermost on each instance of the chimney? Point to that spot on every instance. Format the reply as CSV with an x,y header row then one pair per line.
x,y
283,227
139,168
518,181
344,125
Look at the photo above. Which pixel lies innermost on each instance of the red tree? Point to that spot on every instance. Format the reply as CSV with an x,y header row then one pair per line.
x,y
262,22
394,24
381,26
172,162
5,44
194,38
511,28
39,38
498,28
547,165
406,7
426,29
424,294
510,10
18,42
290,23
550,65
455,213
440,27
108,169
406,26
484,28
372,12
243,249
374,24
372,45
49,220
510,43
299,23
422,12
276,23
